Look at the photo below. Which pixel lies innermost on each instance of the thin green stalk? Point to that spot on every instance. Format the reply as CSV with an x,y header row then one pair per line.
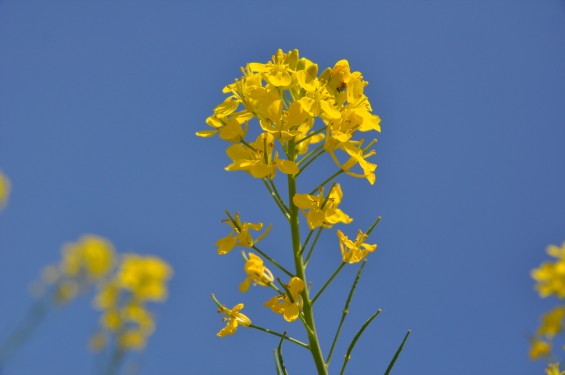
x,y
276,197
274,262
266,330
18,337
277,363
280,357
307,311
327,180
328,282
307,259
354,341
368,232
392,362
309,162
306,241
115,362
308,155
345,310
311,135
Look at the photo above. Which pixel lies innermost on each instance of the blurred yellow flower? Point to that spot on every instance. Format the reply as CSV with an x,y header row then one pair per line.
x,y
144,276
550,276
4,189
92,257
553,369
539,348
354,252
289,307
256,273
552,322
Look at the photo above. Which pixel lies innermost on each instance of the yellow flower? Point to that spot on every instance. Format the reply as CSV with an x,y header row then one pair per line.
x,y
278,71
132,339
539,348
550,277
228,124
233,317
145,277
354,252
239,236
4,189
256,273
552,322
92,256
257,159
322,211
356,156
553,369
289,307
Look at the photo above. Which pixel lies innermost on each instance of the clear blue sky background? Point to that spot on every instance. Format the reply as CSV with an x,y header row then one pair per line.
x,y
99,102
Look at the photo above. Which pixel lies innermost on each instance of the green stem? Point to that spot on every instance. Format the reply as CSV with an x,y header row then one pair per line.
x,y
310,162
274,262
307,311
266,330
345,310
115,362
308,155
311,135
307,259
354,341
328,282
327,180
276,197
391,365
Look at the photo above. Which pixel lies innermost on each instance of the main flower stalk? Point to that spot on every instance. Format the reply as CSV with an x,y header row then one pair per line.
x,y
307,308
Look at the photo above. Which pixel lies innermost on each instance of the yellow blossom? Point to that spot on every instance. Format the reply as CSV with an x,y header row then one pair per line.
x,y
4,189
278,71
553,369
92,256
550,276
322,211
539,348
354,252
289,307
257,159
256,273
239,235
144,276
552,322
233,317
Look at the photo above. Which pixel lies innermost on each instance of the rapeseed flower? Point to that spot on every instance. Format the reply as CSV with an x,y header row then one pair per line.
x,y
354,252
144,276
552,322
322,211
256,272
553,369
288,305
233,317
539,348
239,235
550,276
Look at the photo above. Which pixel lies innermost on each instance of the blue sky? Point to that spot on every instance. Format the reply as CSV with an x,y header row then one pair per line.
x,y
99,102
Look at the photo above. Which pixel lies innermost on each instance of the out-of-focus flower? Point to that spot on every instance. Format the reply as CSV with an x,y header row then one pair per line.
x,y
354,252
322,211
552,322
288,307
553,369
239,235
4,189
539,348
144,276
550,276
92,257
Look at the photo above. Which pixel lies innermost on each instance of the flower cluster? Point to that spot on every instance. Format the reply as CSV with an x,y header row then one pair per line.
x,y
285,95
123,297
125,284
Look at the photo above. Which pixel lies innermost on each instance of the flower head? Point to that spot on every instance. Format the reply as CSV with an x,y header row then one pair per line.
x,y
552,322
553,369
354,252
539,348
256,273
92,257
288,305
144,276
